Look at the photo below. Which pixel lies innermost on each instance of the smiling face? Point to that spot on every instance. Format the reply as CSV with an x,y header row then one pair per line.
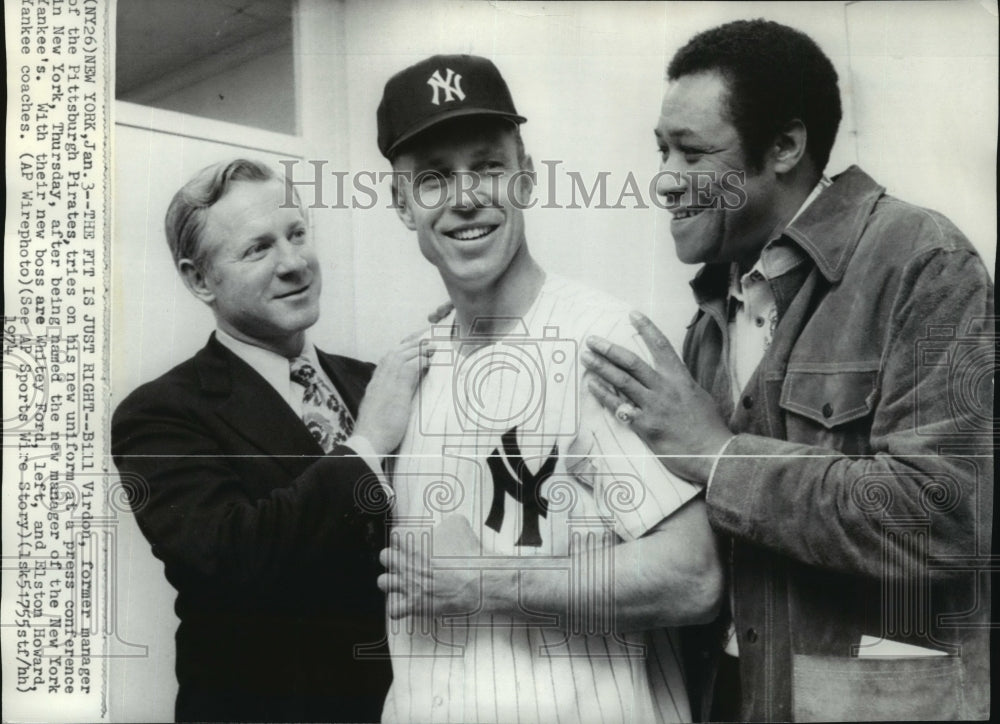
x,y
723,210
462,190
260,273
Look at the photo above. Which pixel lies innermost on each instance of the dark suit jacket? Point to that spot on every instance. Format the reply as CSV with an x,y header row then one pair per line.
x,y
271,545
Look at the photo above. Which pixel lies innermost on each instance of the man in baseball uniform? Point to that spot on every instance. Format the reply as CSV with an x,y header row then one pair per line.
x,y
539,553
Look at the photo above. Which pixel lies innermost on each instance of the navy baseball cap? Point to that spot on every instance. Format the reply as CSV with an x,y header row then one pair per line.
x,y
437,89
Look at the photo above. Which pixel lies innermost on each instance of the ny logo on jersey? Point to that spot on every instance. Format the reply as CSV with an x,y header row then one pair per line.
x,y
451,84
523,488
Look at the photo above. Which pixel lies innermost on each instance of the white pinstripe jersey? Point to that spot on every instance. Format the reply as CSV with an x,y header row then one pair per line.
x,y
595,481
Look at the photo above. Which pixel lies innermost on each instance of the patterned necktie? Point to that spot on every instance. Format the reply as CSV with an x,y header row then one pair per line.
x,y
327,420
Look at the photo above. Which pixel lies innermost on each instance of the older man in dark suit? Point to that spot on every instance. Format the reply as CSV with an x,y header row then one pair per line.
x,y
262,460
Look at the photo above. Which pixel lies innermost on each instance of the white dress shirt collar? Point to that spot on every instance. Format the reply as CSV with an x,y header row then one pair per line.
x,y
276,370
273,367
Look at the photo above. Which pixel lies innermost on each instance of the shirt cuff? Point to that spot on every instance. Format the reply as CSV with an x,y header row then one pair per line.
x,y
366,451
715,463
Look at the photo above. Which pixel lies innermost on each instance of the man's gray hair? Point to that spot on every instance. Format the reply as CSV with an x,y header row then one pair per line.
x,y
185,220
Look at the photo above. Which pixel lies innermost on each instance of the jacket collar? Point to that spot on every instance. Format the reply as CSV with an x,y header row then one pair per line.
x,y
348,384
828,230
251,406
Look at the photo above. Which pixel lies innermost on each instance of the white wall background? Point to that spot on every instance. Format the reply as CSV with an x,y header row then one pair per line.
x,y
924,82
920,98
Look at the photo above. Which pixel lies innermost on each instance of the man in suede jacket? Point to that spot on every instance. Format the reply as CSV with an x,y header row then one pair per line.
x,y
835,399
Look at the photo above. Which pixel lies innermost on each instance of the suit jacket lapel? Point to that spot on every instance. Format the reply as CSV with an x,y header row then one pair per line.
x,y
348,384
254,409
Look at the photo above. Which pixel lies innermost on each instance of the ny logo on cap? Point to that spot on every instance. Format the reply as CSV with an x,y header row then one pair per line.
x,y
451,84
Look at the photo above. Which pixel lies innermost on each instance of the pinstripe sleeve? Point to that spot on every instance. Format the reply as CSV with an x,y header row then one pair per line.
x,y
629,483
